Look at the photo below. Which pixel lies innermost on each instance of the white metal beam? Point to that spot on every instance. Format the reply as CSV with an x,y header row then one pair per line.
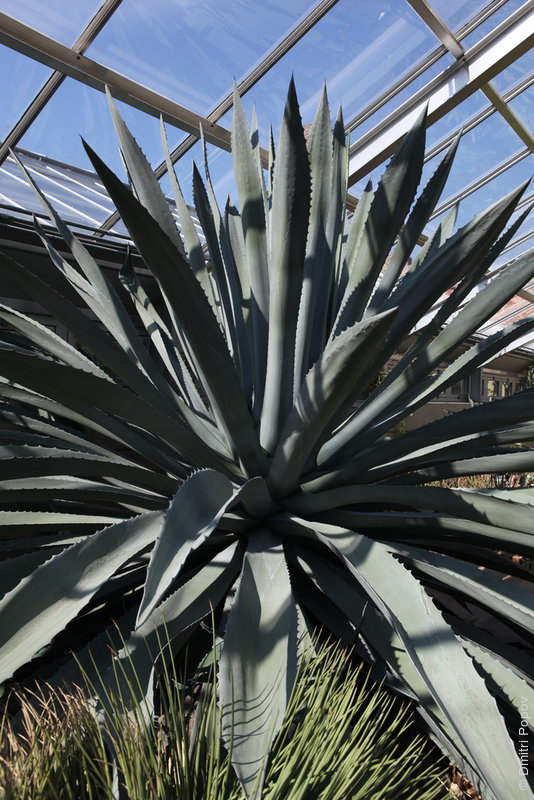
x,y
480,64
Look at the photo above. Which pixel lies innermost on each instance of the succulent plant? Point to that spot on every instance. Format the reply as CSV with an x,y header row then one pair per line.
x,y
242,464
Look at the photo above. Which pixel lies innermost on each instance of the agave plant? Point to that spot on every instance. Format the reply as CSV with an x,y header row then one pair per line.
x,y
242,464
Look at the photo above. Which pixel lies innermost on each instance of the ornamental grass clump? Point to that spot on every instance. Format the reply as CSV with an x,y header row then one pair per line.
x,y
239,464
342,737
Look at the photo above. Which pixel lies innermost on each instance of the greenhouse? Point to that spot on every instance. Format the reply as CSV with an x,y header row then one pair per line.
x,y
266,399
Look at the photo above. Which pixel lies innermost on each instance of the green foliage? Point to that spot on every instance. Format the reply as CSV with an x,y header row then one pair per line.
x,y
342,738
235,465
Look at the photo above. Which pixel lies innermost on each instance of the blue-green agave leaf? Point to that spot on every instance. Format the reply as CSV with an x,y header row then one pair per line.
x,y
42,604
259,659
331,383
185,295
289,231
144,182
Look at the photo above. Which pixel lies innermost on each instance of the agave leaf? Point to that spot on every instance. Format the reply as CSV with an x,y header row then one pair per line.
x,y
481,308
25,462
330,384
289,230
391,202
347,274
337,213
249,364
159,333
83,392
207,217
42,604
504,682
83,329
450,449
192,515
436,654
478,355
250,189
76,489
195,412
183,292
49,341
416,222
515,461
485,417
43,520
13,570
477,506
230,273
131,677
97,292
189,231
456,298
336,583
107,428
319,260
142,178
436,239
259,659
450,262
502,597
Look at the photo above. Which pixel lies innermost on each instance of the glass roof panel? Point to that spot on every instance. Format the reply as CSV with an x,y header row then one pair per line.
x,y
492,191
358,52
486,27
515,73
480,150
20,80
455,13
192,50
456,118
55,18
77,110
405,94
77,197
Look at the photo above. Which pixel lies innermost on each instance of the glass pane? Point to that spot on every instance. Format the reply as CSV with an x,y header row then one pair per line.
x,y
191,51
63,21
405,94
358,51
75,195
491,23
480,150
455,13
20,80
515,73
454,120
77,110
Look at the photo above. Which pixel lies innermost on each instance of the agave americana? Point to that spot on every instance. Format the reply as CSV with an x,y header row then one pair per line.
x,y
239,464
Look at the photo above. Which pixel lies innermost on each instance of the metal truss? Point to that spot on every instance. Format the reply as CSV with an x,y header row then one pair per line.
x,y
474,69
53,83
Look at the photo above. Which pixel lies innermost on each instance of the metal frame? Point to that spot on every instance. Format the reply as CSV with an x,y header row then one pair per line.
x,y
479,65
423,65
479,117
87,36
447,38
63,59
